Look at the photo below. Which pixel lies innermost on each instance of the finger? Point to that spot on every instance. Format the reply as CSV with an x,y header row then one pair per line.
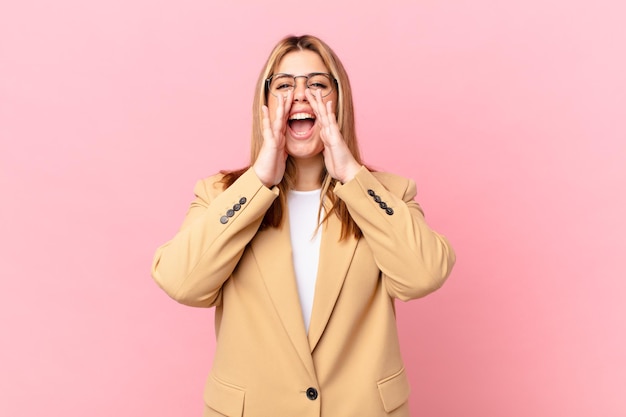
x,y
312,101
329,113
321,109
280,107
277,123
330,110
287,108
267,126
288,102
320,102
283,116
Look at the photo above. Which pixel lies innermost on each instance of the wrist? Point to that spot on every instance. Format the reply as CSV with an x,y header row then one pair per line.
x,y
261,177
351,173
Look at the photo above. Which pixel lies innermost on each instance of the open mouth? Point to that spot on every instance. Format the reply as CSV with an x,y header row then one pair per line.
x,y
301,124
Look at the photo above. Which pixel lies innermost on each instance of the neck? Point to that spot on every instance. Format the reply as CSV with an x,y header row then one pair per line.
x,y
309,172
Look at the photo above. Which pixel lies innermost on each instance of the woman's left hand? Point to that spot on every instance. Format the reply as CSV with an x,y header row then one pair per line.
x,y
339,161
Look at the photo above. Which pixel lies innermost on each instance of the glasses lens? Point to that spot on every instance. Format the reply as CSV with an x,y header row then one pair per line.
x,y
320,82
282,84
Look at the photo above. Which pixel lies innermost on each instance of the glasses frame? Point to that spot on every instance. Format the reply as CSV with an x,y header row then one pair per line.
x,y
268,81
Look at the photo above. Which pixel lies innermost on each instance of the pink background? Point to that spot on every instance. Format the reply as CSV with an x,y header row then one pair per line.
x,y
510,116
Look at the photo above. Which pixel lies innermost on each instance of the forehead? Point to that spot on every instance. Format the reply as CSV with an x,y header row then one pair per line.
x,y
301,62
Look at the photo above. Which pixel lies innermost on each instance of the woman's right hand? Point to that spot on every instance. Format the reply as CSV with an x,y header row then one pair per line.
x,y
270,163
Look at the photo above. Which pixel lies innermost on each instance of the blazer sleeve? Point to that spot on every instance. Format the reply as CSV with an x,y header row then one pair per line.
x,y
192,267
414,259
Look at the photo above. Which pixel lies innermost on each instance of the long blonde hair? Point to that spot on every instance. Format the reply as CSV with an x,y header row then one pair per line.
x,y
345,120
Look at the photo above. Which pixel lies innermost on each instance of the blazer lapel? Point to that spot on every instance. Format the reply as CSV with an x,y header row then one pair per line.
x,y
272,251
334,262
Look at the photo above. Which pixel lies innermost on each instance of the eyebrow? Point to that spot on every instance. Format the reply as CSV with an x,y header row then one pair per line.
x,y
303,75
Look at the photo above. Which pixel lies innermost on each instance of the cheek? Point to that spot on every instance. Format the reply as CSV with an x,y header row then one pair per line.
x,y
333,98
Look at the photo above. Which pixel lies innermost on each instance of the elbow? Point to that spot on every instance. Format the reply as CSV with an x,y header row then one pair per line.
x,y
196,300
423,278
439,266
417,289
176,290
440,269
159,276
448,260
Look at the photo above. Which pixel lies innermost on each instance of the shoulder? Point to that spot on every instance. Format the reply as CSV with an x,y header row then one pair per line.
x,y
394,183
388,177
245,180
214,180
210,186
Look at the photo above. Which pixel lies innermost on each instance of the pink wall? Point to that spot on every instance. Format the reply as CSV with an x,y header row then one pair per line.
x,y
509,115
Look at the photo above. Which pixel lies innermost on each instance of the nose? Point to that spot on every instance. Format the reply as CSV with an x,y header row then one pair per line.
x,y
300,88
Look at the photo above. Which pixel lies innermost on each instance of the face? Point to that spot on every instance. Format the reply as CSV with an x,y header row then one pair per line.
x,y
302,131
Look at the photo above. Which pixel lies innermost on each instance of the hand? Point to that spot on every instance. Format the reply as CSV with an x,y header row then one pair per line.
x,y
270,163
339,161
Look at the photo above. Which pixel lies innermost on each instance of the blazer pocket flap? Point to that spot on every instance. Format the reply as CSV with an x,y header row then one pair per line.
x,y
394,390
224,398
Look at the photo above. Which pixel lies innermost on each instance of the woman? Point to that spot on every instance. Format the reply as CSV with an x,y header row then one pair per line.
x,y
302,254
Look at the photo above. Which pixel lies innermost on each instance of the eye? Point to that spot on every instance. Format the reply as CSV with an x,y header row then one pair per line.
x,y
282,83
318,82
317,86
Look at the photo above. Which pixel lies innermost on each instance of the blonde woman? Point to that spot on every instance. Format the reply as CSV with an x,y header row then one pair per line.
x,y
302,254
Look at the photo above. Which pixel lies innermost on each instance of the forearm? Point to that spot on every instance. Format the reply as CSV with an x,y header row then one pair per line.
x,y
193,266
414,259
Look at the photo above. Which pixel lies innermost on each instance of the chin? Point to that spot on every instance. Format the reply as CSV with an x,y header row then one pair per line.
x,y
304,152
304,155
298,148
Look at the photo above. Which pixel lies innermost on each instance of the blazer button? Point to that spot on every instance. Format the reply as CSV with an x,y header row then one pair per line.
x,y
237,207
371,193
311,394
230,213
223,219
242,200
382,205
389,211
377,199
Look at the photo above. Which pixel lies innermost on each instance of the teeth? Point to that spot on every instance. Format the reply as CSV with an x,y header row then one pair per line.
x,y
301,116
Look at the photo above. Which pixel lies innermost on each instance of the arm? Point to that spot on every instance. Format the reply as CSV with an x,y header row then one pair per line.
x,y
192,267
413,258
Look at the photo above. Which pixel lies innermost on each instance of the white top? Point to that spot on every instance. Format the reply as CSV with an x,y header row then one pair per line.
x,y
305,243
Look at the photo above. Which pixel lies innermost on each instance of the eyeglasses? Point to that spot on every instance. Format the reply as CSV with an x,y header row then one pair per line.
x,y
280,84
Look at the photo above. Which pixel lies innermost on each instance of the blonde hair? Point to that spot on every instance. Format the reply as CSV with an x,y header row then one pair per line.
x,y
345,121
